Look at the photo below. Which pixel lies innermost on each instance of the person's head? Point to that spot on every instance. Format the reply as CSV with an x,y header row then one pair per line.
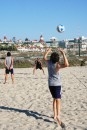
x,y
8,53
38,59
54,57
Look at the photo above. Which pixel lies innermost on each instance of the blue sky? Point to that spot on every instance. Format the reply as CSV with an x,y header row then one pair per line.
x,y
31,18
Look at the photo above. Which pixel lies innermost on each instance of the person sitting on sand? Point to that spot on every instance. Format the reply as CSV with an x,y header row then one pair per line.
x,y
38,65
54,81
9,67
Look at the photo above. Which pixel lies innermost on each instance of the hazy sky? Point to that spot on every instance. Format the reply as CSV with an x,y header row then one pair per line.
x,y
31,18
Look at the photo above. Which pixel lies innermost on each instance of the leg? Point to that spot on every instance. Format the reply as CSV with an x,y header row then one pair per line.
x,y
58,104
6,77
54,108
43,71
12,77
34,70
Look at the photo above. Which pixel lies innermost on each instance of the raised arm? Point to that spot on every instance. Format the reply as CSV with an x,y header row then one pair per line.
x,y
66,63
46,54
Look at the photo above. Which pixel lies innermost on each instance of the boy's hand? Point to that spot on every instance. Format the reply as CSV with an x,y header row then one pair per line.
x,y
61,50
49,50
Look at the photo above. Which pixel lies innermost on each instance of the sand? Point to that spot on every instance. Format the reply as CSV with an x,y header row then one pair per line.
x,y
27,104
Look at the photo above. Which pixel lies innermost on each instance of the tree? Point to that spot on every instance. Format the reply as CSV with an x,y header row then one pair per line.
x,y
26,39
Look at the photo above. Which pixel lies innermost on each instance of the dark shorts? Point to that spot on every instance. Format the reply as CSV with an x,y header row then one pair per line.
x,y
55,91
39,67
7,71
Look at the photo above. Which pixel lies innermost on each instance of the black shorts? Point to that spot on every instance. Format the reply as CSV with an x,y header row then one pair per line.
x,y
39,67
7,71
55,91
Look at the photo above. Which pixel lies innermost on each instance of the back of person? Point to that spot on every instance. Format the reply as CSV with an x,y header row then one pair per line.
x,y
38,63
9,67
54,81
9,61
54,76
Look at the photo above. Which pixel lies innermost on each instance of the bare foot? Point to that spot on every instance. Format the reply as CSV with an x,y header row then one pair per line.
x,y
4,83
12,82
58,119
63,126
55,118
61,123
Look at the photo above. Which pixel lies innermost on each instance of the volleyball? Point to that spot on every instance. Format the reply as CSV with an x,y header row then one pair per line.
x,y
60,28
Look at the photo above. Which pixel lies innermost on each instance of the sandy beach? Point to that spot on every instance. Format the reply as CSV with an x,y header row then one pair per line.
x,y
27,104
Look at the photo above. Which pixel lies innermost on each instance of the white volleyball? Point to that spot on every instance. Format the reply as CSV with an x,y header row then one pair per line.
x,y
60,28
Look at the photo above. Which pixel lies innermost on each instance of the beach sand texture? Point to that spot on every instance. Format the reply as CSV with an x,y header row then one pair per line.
x,y
27,104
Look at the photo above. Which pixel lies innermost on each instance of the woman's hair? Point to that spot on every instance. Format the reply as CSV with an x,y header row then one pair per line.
x,y
8,54
54,57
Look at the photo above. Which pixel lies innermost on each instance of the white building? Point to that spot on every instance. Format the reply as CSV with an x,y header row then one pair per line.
x,y
54,42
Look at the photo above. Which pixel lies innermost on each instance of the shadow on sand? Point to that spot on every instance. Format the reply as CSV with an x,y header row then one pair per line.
x,y
36,115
